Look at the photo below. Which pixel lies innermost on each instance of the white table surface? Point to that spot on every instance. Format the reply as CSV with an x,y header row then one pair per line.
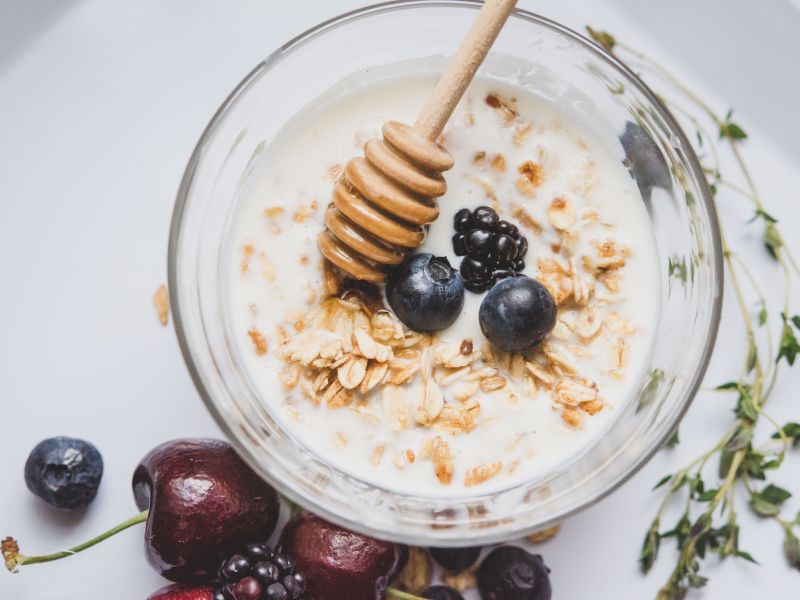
x,y
100,106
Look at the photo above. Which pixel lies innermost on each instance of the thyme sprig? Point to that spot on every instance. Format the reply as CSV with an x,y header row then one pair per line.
x,y
708,522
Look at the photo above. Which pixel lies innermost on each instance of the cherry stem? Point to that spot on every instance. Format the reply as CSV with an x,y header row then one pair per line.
x,y
400,595
16,560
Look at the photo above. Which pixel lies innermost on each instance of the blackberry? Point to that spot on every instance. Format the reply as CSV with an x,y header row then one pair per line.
x,y
492,249
256,573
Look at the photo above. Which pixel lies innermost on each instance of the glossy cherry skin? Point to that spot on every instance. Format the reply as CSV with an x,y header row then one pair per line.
x,y
339,563
182,592
205,504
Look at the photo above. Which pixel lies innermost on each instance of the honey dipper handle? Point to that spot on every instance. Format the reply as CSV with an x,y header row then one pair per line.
x,y
462,68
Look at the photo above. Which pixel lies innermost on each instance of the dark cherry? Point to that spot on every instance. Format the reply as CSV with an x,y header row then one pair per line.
x,y
266,572
473,269
184,592
478,243
459,244
462,222
205,504
485,217
234,568
456,559
505,248
339,563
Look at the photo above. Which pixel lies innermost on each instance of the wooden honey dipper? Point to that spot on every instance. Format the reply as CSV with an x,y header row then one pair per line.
x,y
383,201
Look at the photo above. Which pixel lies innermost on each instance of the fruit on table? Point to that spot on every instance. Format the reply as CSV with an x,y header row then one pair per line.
x,y
517,314
441,592
339,563
492,249
511,573
182,592
258,573
425,292
204,503
64,472
456,559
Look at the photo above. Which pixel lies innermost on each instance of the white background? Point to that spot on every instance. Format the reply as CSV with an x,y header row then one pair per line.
x,y
100,106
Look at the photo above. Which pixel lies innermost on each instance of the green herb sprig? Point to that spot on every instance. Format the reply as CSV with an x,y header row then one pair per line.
x,y
708,522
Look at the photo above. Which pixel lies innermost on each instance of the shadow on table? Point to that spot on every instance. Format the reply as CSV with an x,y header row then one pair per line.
x,y
22,21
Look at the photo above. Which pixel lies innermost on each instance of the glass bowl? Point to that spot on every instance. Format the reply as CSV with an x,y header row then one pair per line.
x,y
571,69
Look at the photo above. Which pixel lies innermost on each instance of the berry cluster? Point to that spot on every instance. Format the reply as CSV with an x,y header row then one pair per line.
x,y
259,574
492,249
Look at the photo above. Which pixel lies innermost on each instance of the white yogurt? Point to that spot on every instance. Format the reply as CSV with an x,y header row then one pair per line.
x,y
280,216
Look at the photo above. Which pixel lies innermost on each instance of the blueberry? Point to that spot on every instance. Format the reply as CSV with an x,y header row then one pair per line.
x,y
441,592
462,222
266,572
276,591
258,552
485,218
511,573
234,568
507,228
64,472
645,160
517,314
284,563
478,243
505,248
459,245
295,585
425,292
522,246
474,269
456,559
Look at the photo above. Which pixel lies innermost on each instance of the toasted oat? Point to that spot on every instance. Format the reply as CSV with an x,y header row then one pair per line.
x,y
268,270
541,372
465,391
531,178
384,327
247,253
585,180
431,403
481,374
395,406
418,572
482,473
374,375
444,376
479,157
571,416
544,535
290,375
161,302
309,392
572,392
490,384
352,372
621,355
442,461
400,460
342,439
259,341
302,213
377,455
451,355
592,406
333,171
410,456
499,163
522,131
561,213
459,418
505,106
489,191
588,322
526,220
461,582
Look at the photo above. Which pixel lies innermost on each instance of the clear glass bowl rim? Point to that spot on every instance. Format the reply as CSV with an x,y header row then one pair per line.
x,y
695,172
